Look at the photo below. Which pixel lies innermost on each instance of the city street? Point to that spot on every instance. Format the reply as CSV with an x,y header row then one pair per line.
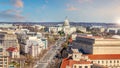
x,y
48,57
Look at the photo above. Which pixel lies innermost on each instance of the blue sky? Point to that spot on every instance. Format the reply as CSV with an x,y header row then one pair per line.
x,y
56,10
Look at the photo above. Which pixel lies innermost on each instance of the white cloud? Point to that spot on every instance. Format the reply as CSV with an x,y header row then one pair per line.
x,y
71,7
17,3
13,15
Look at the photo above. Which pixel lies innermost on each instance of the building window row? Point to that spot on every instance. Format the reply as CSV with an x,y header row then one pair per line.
x,y
80,66
106,61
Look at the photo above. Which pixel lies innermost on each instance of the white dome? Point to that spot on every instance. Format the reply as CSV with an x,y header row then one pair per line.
x,y
66,23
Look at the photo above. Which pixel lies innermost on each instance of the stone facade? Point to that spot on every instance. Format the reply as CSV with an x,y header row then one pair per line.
x,y
97,46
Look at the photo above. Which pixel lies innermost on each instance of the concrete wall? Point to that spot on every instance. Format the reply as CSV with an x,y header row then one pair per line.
x,y
90,49
106,50
107,42
97,46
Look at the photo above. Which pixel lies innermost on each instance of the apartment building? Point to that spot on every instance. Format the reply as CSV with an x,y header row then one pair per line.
x,y
3,58
9,39
33,45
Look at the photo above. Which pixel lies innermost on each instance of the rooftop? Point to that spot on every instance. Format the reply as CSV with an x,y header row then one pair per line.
x,y
103,56
7,32
100,41
12,49
97,37
70,62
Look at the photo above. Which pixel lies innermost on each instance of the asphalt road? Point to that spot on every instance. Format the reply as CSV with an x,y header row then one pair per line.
x,y
48,57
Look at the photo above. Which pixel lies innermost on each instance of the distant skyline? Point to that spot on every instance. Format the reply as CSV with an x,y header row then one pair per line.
x,y
107,11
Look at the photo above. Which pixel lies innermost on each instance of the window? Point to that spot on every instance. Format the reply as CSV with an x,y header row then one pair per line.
x,y
86,66
102,61
106,61
1,49
75,56
1,56
91,61
98,62
114,61
1,65
117,61
1,62
5,62
80,66
75,67
5,59
110,61
5,65
5,56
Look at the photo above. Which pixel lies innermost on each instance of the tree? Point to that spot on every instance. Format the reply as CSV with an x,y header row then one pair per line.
x,y
64,53
51,40
42,30
95,31
78,31
61,33
29,60
65,44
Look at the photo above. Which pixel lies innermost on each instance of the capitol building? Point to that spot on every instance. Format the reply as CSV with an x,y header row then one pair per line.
x,y
64,27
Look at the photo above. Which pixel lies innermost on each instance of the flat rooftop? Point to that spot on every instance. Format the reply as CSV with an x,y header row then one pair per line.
x,y
101,41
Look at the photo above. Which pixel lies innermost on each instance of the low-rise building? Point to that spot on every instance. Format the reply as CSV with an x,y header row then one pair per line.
x,y
108,60
98,28
113,30
78,60
45,41
33,45
73,36
6,25
81,28
69,63
13,52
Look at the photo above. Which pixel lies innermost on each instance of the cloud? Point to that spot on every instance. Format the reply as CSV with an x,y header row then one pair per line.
x,y
71,7
17,3
12,15
83,1
43,6
46,1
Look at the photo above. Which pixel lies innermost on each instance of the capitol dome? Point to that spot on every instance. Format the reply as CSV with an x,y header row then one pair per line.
x,y
66,23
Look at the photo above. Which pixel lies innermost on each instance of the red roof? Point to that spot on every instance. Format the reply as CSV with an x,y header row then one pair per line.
x,y
70,62
11,49
103,56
